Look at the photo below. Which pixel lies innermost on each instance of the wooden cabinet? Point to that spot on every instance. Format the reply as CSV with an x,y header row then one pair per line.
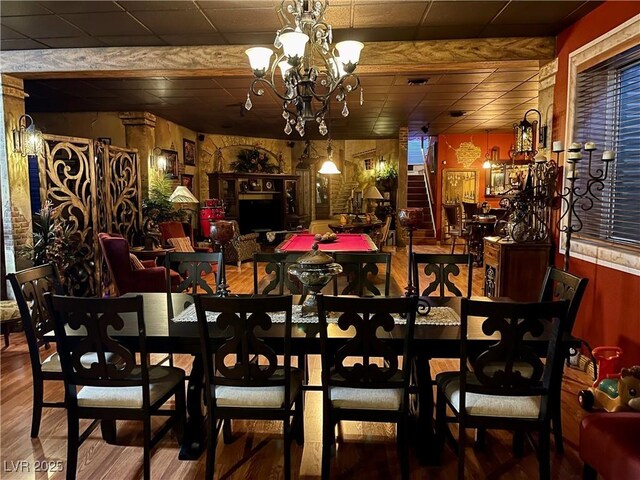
x,y
514,270
256,201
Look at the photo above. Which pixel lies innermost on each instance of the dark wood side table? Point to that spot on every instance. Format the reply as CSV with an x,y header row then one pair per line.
x,y
514,270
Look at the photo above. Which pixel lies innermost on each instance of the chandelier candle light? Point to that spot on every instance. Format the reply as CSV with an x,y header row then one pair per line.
x,y
311,70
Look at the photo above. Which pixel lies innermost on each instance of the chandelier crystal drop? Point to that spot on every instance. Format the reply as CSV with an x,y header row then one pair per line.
x,y
307,71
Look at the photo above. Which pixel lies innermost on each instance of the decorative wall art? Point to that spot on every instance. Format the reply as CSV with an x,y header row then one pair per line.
x,y
172,163
187,181
253,161
189,152
459,185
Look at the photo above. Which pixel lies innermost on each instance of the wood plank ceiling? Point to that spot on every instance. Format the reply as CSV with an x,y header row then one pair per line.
x,y
490,98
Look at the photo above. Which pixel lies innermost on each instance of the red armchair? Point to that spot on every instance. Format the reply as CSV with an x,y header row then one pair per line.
x,y
609,445
125,279
179,230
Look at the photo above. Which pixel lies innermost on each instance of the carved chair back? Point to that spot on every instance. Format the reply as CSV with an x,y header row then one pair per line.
x,y
29,287
365,360
236,355
499,369
93,321
357,267
275,270
561,285
192,267
452,214
442,267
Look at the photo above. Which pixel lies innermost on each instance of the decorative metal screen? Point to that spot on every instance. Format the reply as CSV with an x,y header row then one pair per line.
x,y
96,188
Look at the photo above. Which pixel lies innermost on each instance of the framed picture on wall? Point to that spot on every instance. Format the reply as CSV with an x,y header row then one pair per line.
x,y
187,181
172,163
189,152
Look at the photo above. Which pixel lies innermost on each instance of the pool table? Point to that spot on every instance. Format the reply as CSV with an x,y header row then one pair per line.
x,y
346,242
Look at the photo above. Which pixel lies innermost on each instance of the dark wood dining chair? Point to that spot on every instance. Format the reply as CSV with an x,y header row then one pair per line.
x,y
454,226
29,287
275,269
239,387
561,285
442,267
115,387
357,267
488,391
192,267
375,388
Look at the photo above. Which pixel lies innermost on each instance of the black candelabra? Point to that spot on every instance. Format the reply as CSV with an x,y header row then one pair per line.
x,y
576,197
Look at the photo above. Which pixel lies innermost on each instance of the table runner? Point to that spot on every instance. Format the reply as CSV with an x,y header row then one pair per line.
x,y
437,316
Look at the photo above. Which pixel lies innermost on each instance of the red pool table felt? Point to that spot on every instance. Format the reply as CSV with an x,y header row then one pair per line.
x,y
346,242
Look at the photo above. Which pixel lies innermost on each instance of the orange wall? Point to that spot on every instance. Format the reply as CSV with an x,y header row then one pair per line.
x,y
447,146
610,311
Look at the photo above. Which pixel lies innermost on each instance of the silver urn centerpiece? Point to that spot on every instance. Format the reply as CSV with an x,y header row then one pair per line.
x,y
314,269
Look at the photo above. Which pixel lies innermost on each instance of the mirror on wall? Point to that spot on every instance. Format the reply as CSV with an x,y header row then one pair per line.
x,y
503,177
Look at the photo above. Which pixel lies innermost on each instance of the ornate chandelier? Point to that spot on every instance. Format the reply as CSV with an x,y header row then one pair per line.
x,y
311,70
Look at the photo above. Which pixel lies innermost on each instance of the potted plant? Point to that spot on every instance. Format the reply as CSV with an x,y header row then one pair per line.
x,y
55,241
158,208
386,177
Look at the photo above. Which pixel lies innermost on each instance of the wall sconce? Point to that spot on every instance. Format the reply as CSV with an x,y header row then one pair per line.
x,y
27,139
159,160
525,133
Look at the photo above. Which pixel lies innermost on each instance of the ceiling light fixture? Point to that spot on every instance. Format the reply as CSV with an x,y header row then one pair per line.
x,y
311,70
329,167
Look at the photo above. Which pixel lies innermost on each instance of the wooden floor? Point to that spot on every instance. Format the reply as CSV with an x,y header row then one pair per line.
x,y
367,450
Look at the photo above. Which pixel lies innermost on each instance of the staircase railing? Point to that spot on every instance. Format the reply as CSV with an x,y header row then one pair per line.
x,y
427,182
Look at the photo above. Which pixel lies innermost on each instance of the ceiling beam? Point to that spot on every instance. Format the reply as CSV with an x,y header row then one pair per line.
x,y
230,60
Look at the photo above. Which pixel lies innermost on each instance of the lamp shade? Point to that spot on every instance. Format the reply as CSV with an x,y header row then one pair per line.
x,y
182,195
259,58
349,51
373,193
294,43
329,168
284,68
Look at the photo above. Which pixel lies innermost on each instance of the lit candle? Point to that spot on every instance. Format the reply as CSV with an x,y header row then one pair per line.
x,y
575,147
608,156
590,146
557,146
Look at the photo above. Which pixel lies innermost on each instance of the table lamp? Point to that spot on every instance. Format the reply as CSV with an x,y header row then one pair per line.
x,y
183,195
372,193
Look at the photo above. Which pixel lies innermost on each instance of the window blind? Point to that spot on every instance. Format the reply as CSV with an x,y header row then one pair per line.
x,y
607,111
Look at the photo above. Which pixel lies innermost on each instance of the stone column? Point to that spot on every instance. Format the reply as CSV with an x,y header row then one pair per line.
x,y
14,176
140,133
401,196
545,101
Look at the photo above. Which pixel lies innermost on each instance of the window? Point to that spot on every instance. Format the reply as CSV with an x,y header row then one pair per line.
x,y
607,111
415,153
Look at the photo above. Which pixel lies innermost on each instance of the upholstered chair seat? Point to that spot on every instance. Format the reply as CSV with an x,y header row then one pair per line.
x,y
162,380
487,405
366,398
264,397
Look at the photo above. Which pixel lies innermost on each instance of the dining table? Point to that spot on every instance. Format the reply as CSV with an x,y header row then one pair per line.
x,y
171,327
